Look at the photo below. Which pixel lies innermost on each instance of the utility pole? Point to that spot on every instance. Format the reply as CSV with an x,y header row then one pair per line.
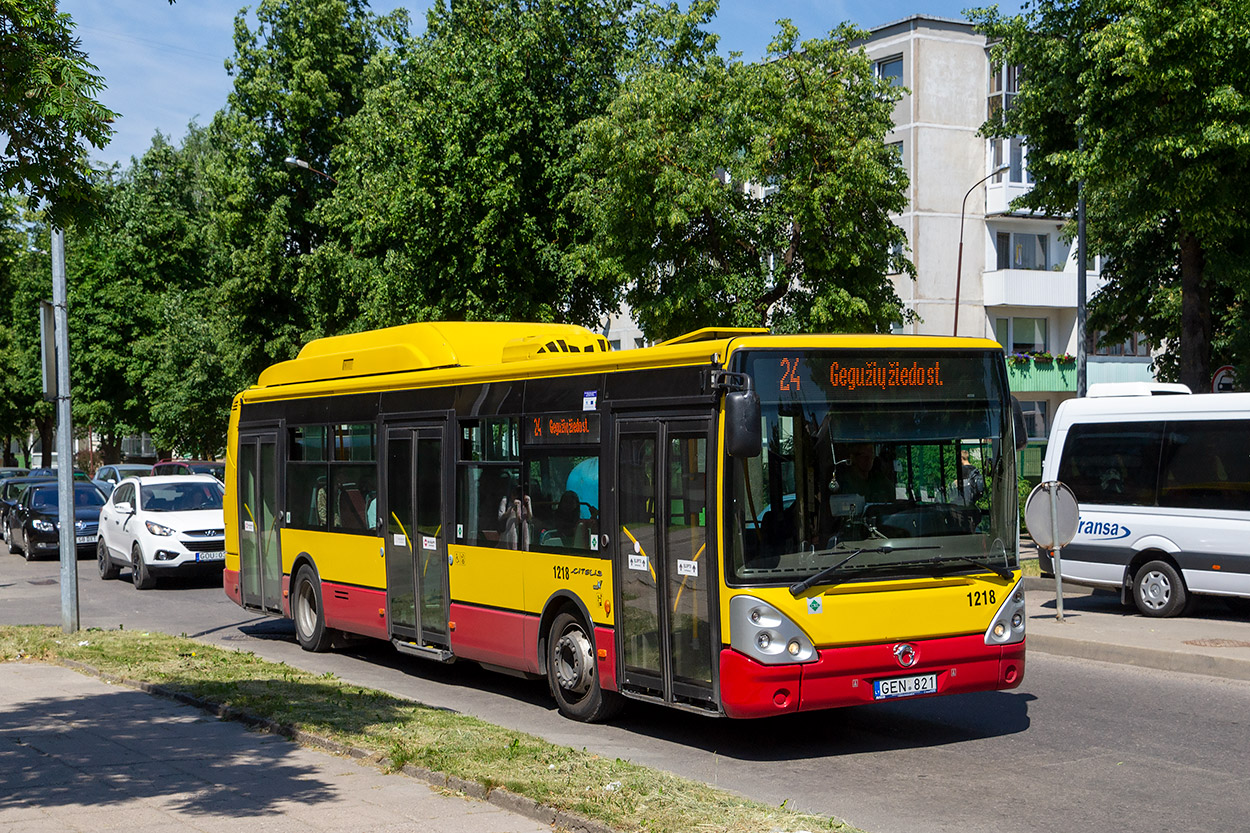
x,y
64,439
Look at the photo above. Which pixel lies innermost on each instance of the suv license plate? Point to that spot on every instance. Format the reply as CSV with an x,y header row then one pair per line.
x,y
904,686
210,556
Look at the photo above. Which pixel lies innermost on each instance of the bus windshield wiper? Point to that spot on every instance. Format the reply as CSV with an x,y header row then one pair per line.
x,y
829,572
1001,572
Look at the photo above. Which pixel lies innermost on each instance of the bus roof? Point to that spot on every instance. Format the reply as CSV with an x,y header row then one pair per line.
x,y
354,362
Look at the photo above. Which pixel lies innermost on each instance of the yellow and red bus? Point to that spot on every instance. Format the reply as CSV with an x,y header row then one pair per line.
x,y
730,522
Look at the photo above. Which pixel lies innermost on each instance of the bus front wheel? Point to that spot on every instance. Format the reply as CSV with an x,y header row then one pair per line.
x,y
1159,590
572,675
310,620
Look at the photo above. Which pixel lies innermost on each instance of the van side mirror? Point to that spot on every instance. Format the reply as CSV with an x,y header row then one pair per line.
x,y
744,436
1021,430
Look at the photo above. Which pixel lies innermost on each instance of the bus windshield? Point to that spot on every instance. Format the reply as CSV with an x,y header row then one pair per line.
x,y
875,465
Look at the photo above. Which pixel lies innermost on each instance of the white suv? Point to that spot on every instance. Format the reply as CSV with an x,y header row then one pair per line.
x,y
162,526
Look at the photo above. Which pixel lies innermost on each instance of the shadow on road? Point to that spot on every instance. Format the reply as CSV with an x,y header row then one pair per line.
x,y
104,750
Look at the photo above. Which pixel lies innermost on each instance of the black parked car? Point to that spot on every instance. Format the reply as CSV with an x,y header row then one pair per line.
x,y
10,490
33,526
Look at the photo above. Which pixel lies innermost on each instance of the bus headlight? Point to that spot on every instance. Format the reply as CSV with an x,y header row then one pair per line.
x,y
1007,627
765,634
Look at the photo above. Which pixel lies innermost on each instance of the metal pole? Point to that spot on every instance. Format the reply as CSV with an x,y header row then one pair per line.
x,y
64,440
1055,552
1081,378
959,258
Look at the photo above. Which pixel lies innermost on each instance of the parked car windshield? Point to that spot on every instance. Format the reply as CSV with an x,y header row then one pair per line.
x,y
46,498
180,497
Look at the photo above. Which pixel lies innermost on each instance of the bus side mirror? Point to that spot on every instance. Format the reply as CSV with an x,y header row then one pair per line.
x,y
1022,430
744,437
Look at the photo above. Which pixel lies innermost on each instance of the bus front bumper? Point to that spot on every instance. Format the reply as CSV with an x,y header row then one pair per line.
x,y
845,676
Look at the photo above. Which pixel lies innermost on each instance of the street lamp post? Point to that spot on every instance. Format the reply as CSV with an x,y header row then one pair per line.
x,y
959,261
294,162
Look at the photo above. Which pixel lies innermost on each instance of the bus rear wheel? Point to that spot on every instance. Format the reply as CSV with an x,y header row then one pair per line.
x,y
310,619
1159,591
572,673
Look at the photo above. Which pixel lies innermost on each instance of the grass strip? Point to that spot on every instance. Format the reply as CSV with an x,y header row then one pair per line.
x,y
622,795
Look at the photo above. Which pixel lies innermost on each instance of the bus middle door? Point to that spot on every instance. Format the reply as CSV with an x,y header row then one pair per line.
x,y
416,539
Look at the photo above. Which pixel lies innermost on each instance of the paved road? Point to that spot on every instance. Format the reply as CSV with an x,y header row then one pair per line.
x,y
1081,745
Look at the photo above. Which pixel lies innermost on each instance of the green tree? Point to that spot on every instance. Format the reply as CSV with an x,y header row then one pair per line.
x,y
1145,101
48,113
297,77
148,245
455,175
723,192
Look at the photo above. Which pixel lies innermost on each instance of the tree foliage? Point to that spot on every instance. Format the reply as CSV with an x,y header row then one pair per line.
x,y
1145,101
724,192
48,111
454,175
299,76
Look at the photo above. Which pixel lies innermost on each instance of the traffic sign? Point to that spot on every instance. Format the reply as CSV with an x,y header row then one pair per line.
x,y
1224,380
1051,514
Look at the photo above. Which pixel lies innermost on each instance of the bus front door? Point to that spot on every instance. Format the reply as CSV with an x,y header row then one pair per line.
x,y
416,538
260,554
665,563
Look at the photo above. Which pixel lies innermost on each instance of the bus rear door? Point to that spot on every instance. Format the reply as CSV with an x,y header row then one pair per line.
x,y
260,555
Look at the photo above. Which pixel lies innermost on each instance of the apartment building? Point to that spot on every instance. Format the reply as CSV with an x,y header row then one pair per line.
x,y
1014,278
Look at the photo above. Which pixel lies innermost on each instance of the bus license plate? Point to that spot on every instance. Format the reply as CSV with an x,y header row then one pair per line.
x,y
85,539
904,686
210,556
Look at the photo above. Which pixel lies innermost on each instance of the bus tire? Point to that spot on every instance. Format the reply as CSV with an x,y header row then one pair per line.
x,y
1159,591
572,672
308,612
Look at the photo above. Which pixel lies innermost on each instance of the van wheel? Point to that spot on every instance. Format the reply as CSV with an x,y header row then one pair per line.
x,y
572,673
1159,590
310,618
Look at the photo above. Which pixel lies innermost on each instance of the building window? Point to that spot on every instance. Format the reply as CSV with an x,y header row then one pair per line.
x,y
1034,418
891,69
1013,153
1134,345
1021,335
897,149
1022,251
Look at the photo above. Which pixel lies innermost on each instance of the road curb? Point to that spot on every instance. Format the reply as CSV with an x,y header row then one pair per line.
x,y
498,796
1161,660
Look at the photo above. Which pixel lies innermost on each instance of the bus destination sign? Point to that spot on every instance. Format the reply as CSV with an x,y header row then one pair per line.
x,y
562,429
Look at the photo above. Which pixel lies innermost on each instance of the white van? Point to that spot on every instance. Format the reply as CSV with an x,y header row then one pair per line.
x,y
1163,484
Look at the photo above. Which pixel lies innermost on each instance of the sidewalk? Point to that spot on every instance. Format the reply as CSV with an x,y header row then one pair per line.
x,y
79,754
1209,640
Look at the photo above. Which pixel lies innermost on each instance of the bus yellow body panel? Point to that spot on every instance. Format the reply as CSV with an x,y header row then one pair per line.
x,y
346,559
525,582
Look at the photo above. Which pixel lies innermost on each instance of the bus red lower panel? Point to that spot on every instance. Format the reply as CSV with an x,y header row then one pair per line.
x,y
844,676
230,583
359,610
490,635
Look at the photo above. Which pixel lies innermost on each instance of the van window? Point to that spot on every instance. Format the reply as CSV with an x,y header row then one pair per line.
x,y
1206,465
1112,463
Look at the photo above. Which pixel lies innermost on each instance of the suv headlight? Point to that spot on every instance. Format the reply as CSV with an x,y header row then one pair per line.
x,y
765,634
157,529
41,525
1007,626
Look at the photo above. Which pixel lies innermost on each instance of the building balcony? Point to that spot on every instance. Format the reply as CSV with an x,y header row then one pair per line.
x,y
1033,375
1029,288
998,196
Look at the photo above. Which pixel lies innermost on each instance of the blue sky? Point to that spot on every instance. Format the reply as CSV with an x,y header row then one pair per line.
x,y
164,65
